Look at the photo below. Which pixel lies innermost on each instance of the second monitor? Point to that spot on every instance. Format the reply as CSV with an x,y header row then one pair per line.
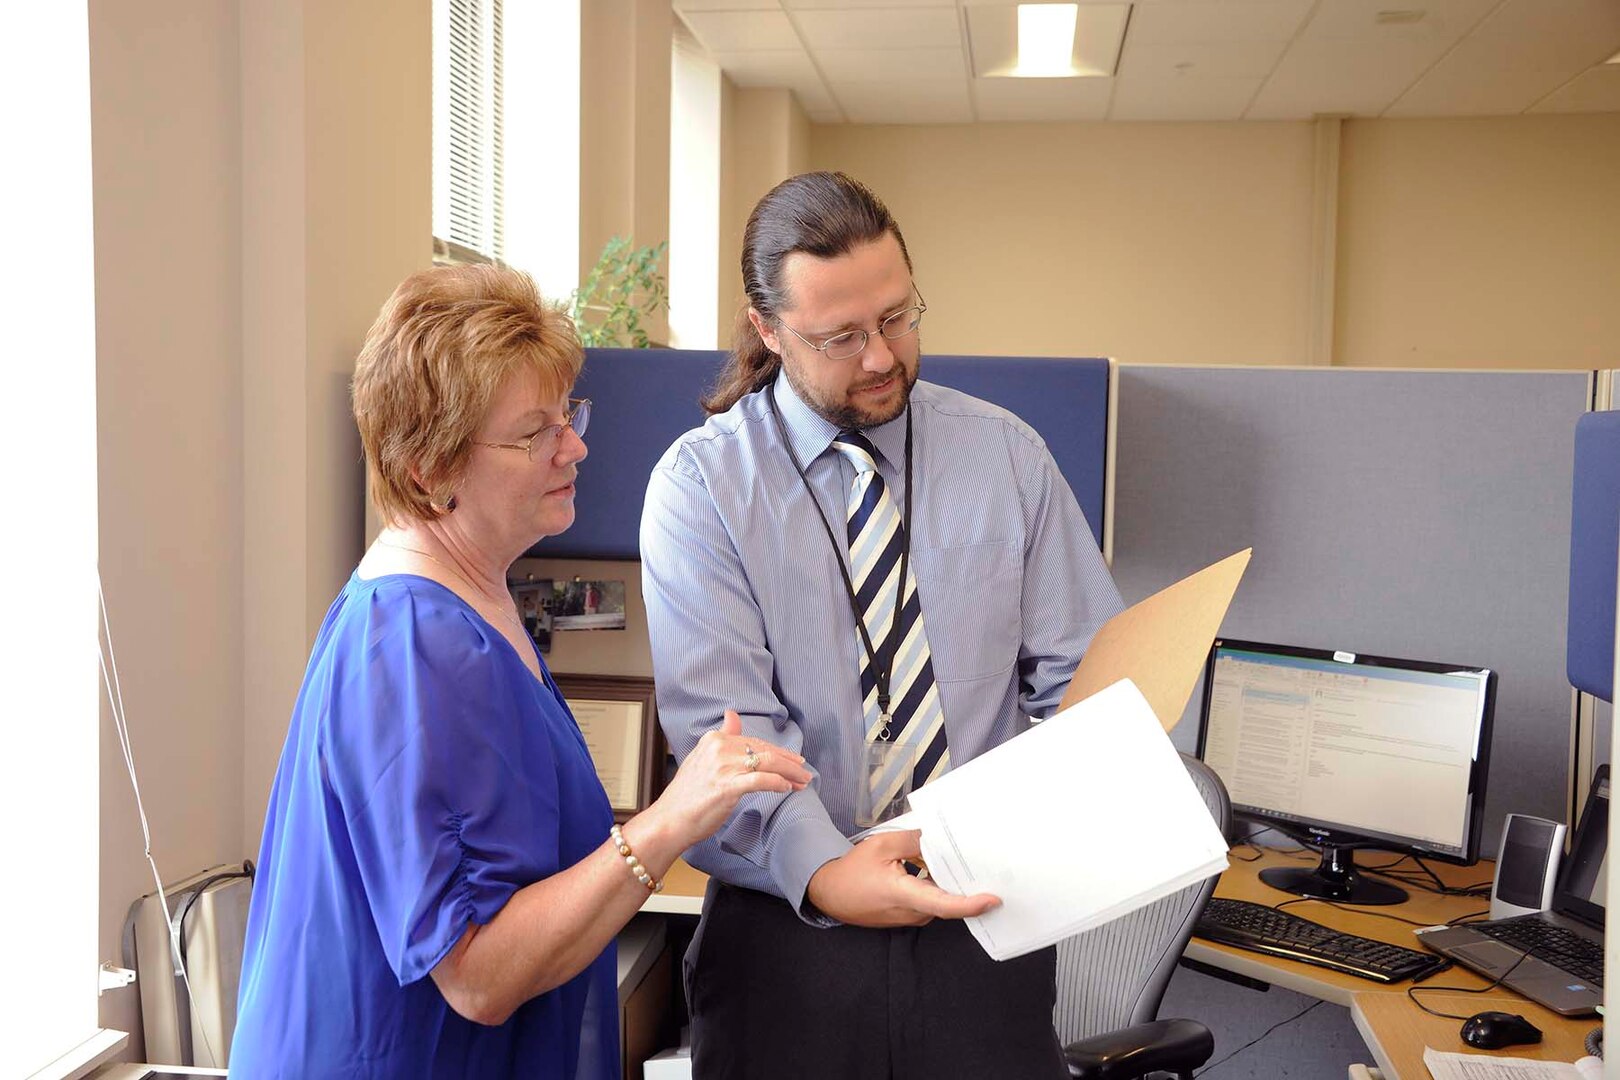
x,y
1346,751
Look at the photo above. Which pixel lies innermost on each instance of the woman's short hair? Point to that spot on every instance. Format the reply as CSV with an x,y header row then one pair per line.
x,y
442,345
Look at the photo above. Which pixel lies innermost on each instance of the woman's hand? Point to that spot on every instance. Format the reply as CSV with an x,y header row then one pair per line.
x,y
723,767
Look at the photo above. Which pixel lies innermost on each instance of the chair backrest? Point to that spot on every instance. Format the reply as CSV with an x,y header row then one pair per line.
x,y
1115,976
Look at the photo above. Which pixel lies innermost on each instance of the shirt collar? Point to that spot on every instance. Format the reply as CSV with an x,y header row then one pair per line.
x,y
810,433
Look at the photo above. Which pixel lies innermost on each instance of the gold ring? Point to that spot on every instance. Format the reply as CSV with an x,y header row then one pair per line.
x,y
750,759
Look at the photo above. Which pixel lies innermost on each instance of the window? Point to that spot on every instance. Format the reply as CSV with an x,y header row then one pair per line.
x,y
469,155
694,194
49,686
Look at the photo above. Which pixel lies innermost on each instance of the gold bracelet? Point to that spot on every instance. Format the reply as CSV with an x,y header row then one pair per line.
x,y
642,875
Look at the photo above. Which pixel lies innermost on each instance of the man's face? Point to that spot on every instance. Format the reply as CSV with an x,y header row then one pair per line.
x,y
854,291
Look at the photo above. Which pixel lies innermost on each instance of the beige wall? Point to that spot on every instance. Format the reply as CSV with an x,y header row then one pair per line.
x,y
1481,243
167,169
765,138
261,182
337,154
1475,243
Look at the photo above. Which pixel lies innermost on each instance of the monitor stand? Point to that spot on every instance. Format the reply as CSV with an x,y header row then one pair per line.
x,y
1335,878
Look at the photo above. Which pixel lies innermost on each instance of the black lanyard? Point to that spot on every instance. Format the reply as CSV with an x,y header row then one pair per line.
x,y
882,667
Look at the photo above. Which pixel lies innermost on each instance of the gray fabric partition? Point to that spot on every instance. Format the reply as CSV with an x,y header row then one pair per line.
x,y
1400,513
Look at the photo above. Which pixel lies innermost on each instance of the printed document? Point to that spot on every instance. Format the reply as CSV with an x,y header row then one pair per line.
x,y
1074,823
1446,1066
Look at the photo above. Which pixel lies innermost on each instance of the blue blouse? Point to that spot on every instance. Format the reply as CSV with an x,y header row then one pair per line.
x,y
427,776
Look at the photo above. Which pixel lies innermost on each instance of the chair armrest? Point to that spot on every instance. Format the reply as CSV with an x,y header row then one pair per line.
x,y
1177,1046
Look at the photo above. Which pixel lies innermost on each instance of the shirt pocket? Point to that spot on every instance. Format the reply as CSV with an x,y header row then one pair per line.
x,y
972,599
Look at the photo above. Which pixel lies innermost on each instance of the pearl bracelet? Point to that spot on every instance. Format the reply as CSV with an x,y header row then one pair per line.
x,y
630,860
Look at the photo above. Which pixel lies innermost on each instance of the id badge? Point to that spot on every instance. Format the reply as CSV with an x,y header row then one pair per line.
x,y
883,757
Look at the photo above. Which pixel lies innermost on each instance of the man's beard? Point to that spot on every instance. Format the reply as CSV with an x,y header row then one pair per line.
x,y
845,415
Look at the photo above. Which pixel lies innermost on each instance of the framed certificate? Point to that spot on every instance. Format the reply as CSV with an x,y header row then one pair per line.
x,y
619,718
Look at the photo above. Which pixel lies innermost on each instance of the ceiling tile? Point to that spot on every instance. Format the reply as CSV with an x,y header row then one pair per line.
x,y
905,101
856,5
1033,100
1442,24
1176,23
684,6
902,28
1187,96
1228,59
892,64
738,31
766,67
1523,51
1340,78
1597,90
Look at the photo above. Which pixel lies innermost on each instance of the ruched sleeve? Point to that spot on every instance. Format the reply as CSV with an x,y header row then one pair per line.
x,y
425,754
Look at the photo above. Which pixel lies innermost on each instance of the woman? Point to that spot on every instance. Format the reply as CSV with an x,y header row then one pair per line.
x,y
438,890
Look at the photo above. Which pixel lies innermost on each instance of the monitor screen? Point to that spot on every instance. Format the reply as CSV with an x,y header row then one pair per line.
x,y
1350,750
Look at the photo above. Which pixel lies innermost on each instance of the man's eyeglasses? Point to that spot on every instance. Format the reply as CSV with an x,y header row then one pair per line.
x,y
543,443
853,342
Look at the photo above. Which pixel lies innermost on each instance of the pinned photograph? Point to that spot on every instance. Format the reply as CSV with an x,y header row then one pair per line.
x,y
587,605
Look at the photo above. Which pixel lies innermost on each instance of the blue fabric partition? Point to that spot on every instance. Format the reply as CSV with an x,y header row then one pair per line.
x,y
646,398
1594,547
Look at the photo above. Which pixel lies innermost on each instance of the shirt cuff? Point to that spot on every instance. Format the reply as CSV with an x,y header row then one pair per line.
x,y
797,852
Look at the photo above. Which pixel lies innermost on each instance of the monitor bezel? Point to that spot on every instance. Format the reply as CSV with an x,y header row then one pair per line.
x,y
1338,834
1565,900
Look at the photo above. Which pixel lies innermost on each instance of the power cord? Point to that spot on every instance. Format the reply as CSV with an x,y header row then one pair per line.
x,y
1413,991
1207,1069
1371,911
115,700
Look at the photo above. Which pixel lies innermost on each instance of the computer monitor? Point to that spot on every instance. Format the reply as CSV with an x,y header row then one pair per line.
x,y
1344,751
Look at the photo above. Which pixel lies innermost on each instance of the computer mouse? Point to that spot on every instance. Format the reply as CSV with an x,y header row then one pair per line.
x,y
1494,1030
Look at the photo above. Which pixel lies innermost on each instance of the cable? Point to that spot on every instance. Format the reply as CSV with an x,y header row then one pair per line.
x,y
108,657
1356,910
247,871
1207,1069
1413,991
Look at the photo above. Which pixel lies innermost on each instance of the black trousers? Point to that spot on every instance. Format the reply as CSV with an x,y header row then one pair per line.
x,y
773,998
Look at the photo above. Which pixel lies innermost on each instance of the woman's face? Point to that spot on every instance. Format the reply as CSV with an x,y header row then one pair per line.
x,y
511,500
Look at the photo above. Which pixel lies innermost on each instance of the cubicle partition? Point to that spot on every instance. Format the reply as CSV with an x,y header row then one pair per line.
x,y
645,399
1399,513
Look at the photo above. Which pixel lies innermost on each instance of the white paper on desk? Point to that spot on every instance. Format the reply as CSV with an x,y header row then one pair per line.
x,y
1447,1066
1076,822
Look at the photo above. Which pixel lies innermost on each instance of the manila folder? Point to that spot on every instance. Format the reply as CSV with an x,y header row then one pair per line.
x,y
1074,823
1161,643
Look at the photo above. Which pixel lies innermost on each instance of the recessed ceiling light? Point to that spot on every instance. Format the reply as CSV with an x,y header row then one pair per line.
x,y
1399,17
1046,39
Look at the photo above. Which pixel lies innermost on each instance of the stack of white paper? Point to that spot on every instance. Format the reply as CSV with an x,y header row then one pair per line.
x,y
1074,823
1447,1066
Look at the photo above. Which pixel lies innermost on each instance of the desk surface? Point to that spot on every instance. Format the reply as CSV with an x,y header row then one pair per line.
x,y
1396,1031
683,891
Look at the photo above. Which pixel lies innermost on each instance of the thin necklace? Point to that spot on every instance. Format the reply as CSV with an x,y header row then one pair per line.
x,y
465,580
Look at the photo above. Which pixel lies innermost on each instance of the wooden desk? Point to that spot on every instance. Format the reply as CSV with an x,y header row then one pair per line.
x,y
1396,1031
683,891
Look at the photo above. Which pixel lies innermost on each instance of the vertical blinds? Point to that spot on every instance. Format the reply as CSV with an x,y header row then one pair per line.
x,y
469,160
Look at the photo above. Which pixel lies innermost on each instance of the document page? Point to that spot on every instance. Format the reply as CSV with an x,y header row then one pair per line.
x,y
1447,1066
1074,823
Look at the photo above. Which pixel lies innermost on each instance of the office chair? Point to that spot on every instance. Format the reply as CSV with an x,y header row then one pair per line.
x,y
1110,980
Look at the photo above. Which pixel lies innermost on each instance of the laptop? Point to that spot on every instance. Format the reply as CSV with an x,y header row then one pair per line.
x,y
1562,949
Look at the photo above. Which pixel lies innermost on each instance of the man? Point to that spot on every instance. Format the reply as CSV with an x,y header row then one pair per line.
x,y
774,542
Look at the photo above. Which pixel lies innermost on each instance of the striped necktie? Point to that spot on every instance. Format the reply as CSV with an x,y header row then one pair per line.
x,y
916,722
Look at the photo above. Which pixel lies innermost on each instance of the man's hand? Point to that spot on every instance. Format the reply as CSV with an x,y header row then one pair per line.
x,y
869,886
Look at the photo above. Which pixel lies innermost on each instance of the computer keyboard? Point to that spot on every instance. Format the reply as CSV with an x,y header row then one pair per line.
x,y
1264,929
1554,944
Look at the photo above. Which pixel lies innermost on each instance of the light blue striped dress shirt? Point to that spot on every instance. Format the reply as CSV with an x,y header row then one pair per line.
x,y
747,611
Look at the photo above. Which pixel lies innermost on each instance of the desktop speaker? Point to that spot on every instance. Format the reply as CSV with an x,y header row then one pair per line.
x,y
1527,866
